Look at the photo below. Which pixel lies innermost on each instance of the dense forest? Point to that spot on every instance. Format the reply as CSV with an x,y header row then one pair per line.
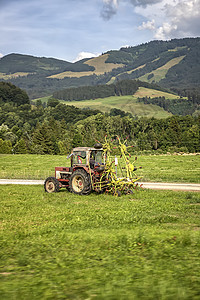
x,y
121,88
180,106
57,128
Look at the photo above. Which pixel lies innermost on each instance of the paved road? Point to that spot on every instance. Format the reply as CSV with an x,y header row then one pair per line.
x,y
147,185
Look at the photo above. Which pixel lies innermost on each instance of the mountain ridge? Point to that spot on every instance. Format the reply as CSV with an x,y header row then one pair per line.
x,y
173,64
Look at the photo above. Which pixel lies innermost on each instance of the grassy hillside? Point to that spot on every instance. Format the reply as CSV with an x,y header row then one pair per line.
x,y
14,63
145,92
14,75
161,72
99,64
125,103
172,64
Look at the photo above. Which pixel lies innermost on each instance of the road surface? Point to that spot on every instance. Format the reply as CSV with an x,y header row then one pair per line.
x,y
147,185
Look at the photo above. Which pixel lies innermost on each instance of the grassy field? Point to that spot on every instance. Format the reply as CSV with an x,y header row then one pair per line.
x,y
97,62
145,92
14,75
162,71
161,168
125,103
64,246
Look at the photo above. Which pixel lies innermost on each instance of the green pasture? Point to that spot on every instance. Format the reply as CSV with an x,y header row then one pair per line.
x,y
161,168
65,246
161,72
146,92
125,103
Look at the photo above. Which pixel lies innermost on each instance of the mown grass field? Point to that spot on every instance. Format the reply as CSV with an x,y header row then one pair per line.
x,y
125,103
14,75
161,168
145,92
162,71
64,246
99,64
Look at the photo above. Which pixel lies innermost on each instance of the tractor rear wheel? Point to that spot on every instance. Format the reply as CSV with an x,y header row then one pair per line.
x,y
80,183
51,185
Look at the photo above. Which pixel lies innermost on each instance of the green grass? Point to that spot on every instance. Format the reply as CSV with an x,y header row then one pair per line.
x,y
125,103
162,168
64,246
161,72
146,92
170,168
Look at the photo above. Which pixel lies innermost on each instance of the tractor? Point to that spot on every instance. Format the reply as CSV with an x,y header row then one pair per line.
x,y
92,169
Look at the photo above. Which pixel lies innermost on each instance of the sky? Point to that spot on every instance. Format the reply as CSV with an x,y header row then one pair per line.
x,y
76,29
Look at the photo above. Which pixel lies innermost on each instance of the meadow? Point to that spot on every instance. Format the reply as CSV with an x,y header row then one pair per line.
x,y
126,103
65,246
161,72
160,168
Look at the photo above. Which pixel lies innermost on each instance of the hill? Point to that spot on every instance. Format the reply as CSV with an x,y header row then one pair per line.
x,y
56,128
127,103
173,64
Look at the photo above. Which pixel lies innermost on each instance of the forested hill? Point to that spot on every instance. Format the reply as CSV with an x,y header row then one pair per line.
x,y
120,88
57,128
173,64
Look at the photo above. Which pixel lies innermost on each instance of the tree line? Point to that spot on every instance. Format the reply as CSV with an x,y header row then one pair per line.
x,y
180,106
120,88
57,128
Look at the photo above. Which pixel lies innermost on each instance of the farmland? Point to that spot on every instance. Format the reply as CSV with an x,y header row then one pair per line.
x,y
161,168
161,72
99,65
125,103
64,246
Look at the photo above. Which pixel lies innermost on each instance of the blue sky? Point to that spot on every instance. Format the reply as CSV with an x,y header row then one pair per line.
x,y
74,29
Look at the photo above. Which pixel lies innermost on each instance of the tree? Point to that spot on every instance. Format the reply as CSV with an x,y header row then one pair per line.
x,y
52,102
5,147
20,147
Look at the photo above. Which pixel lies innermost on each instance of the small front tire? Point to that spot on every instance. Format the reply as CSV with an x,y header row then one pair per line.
x,y
51,185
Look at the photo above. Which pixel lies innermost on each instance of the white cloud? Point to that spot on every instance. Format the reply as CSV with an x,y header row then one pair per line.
x,y
83,55
164,31
1,55
147,25
172,18
165,18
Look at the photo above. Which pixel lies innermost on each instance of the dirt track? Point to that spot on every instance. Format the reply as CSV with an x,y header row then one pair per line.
x,y
147,185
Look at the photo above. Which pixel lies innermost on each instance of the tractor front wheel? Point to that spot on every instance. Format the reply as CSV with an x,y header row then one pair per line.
x,y
80,183
51,185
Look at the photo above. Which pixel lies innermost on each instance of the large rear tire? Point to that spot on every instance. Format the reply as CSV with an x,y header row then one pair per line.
x,y
80,183
51,185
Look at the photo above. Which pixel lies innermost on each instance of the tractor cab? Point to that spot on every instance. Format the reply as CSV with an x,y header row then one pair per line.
x,y
87,157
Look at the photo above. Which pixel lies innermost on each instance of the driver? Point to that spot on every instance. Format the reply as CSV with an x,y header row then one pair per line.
x,y
92,159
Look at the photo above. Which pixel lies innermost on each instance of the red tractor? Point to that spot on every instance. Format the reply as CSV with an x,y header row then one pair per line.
x,y
93,168
87,166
